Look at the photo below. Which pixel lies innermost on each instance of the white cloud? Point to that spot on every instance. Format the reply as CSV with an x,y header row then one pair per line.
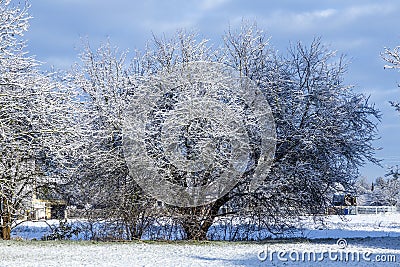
x,y
320,20
315,15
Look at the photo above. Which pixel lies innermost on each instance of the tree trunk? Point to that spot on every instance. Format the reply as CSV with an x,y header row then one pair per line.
x,y
6,218
197,220
198,231
6,228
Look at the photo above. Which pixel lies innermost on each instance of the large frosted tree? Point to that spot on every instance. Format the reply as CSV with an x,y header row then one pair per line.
x,y
324,130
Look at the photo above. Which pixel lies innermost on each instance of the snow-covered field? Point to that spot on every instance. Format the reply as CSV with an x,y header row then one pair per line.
x,y
372,240
37,253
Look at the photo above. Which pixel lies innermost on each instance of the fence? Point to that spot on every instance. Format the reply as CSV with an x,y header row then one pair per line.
x,y
353,210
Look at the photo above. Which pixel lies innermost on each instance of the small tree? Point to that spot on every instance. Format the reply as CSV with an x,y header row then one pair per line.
x,y
392,188
387,189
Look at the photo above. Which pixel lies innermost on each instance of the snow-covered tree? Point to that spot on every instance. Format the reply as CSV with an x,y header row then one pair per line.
x,y
324,130
392,187
363,186
32,120
387,189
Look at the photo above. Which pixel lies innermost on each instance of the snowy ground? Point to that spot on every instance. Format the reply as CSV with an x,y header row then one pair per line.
x,y
373,240
84,253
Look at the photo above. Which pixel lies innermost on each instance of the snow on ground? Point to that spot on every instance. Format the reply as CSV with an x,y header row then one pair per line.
x,y
84,253
373,240
354,226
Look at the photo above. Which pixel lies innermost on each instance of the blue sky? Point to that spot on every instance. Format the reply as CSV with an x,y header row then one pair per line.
x,y
358,29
